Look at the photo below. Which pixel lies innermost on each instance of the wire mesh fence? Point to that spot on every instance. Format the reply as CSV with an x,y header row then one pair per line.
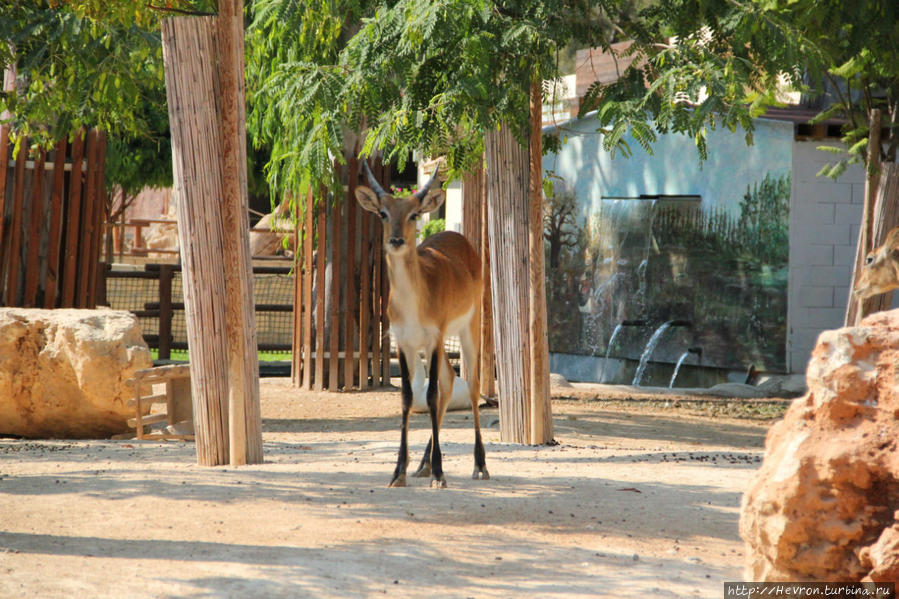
x,y
138,291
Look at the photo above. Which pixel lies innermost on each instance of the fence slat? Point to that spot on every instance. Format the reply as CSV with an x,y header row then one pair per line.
x,y
89,197
321,283
94,276
15,243
364,297
32,264
376,305
336,265
55,234
307,290
4,166
349,360
73,220
384,295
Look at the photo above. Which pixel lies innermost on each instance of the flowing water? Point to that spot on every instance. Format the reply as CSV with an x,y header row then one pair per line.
x,y
677,368
602,372
647,351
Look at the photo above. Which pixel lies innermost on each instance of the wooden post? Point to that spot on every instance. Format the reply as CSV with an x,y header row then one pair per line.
x,y
308,278
15,234
32,268
56,205
507,184
541,423
365,299
73,220
245,421
855,308
352,208
166,273
334,316
488,365
320,293
191,87
4,168
886,216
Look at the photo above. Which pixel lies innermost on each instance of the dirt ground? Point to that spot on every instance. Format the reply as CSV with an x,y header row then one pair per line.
x,y
636,500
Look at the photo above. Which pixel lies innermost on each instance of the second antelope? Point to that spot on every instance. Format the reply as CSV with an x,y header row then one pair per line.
x,y
881,270
435,292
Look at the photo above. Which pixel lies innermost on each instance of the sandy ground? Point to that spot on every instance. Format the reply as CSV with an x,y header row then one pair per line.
x,y
632,502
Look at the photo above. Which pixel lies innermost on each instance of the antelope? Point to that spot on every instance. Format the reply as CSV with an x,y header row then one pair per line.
x,y
881,270
435,292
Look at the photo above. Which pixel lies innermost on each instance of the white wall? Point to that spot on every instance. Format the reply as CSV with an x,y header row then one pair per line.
x,y
824,221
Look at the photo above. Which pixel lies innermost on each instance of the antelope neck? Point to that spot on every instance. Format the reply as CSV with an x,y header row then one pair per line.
x,y
404,272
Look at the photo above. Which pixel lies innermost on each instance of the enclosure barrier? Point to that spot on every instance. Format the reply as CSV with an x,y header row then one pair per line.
x,y
154,295
51,213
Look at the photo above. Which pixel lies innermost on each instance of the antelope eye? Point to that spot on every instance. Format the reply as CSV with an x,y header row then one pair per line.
x,y
383,215
869,260
413,217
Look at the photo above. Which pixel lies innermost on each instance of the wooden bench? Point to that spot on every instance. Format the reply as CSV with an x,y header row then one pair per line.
x,y
179,410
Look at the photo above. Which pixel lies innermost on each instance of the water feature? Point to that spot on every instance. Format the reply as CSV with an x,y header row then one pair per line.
x,y
602,372
680,361
621,325
651,346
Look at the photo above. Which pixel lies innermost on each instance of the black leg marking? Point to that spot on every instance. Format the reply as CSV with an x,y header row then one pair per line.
x,y
402,459
424,468
437,478
480,459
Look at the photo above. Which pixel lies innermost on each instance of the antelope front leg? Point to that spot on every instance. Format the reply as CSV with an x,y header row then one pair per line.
x,y
438,480
402,459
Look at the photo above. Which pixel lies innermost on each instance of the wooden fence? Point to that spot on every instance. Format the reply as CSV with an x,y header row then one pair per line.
x,y
155,296
52,207
341,338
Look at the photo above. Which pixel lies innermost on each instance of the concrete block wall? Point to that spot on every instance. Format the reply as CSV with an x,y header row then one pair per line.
x,y
824,221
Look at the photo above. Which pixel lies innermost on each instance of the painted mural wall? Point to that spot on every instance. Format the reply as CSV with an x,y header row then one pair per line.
x,y
665,243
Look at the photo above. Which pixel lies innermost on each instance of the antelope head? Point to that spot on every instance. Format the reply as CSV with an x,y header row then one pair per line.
x,y
880,272
399,215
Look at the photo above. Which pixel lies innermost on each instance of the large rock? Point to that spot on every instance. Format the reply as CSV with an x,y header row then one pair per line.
x,y
823,505
62,372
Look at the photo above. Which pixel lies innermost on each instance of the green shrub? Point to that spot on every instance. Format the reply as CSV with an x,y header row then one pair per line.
x,y
435,225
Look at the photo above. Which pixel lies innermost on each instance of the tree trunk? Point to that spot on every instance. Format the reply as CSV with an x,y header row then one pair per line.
x,y
508,218
885,217
541,424
245,419
191,85
855,308
208,158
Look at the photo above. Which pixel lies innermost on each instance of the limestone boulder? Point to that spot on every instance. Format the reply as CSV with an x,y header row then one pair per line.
x,y
63,372
823,505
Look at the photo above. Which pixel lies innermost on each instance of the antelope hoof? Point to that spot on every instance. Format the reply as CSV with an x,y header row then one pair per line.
x,y
438,483
423,472
399,481
480,474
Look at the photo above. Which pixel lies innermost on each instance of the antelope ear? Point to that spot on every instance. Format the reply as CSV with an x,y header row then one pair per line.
x,y
368,199
432,200
892,240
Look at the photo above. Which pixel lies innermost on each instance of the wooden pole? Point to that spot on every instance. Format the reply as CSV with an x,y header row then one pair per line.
x,y
886,216
541,430
245,422
507,194
191,87
854,308
488,364
56,205
308,279
352,208
32,269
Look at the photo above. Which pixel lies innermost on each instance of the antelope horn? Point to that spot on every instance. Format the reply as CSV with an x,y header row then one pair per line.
x,y
421,193
372,182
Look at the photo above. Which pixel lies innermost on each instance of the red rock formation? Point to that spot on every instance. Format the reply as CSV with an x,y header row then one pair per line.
x,y
823,505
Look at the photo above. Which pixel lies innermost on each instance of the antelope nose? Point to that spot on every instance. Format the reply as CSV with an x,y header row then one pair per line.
x,y
397,242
